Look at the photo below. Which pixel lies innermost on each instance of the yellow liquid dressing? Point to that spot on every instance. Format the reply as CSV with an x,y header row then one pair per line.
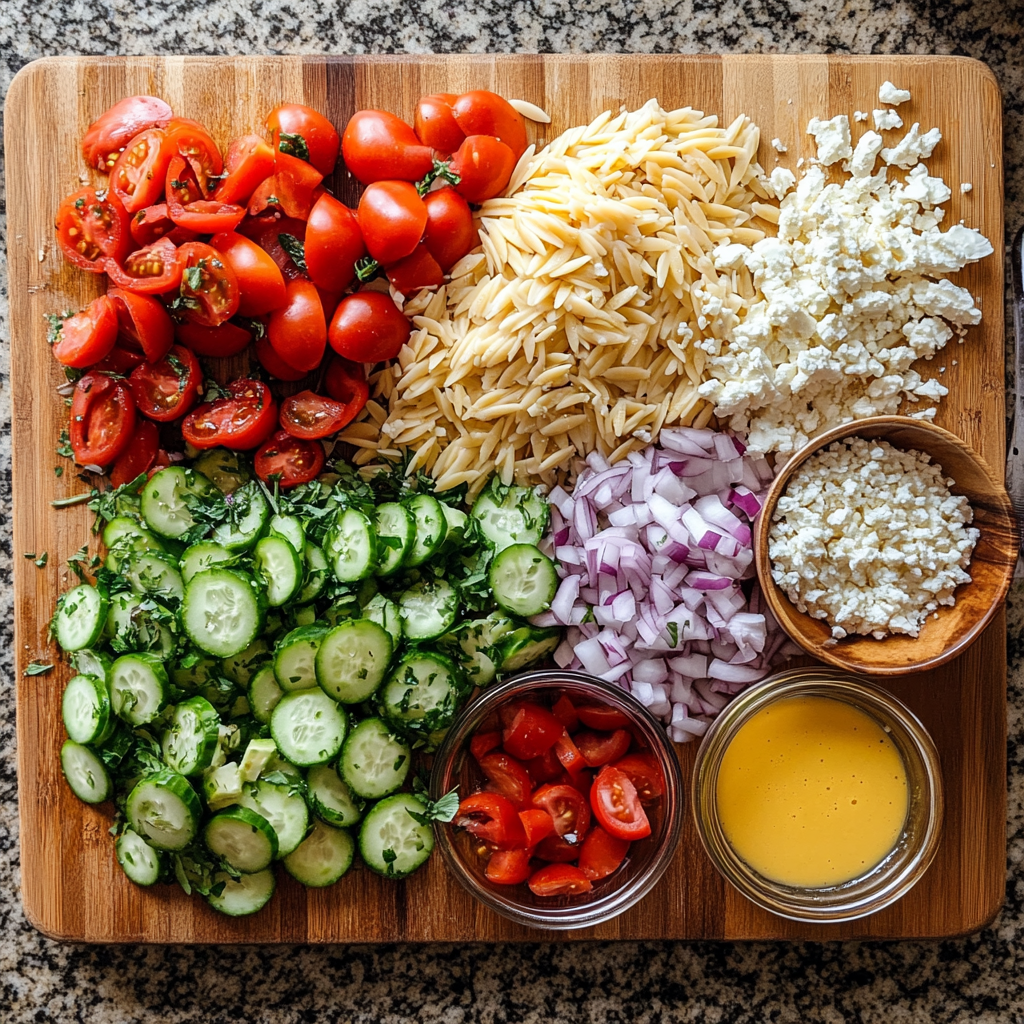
x,y
812,792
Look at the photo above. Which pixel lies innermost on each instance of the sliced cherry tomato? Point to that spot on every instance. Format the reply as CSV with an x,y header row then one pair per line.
x,y
508,867
304,133
564,711
392,217
508,777
333,244
537,824
601,716
209,288
88,336
206,216
115,128
484,166
120,361
345,382
180,184
368,328
102,420
298,330
617,806
153,222
418,270
450,231
568,809
559,880
291,459
311,416
569,754
166,390
224,340
483,743
292,187
273,363
249,161
545,768
435,122
602,748
601,853
377,146
153,270
492,818
481,112
91,229
646,775
139,456
137,179
532,731
191,140
266,231
261,286
555,849
240,422
143,323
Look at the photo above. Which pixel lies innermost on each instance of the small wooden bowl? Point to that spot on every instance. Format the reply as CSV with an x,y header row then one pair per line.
x,y
991,568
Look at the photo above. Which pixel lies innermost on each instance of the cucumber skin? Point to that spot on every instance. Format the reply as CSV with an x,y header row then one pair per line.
x,y
167,777
379,809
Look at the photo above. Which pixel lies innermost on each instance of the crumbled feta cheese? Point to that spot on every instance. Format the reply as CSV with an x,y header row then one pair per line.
x,y
923,189
862,163
780,181
860,115
869,538
888,93
886,120
832,137
965,187
778,146
912,147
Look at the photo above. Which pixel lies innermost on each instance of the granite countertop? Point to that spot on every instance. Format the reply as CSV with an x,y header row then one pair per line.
x,y
974,980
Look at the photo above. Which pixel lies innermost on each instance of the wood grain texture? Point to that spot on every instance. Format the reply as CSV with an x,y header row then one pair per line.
x,y
72,887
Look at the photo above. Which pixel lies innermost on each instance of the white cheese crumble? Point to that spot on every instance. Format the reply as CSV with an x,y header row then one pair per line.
x,y
779,182
965,187
862,163
860,115
832,137
886,120
888,93
869,538
912,147
778,146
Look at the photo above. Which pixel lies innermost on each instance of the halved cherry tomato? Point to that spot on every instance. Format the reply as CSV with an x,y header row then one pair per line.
x,y
293,460
249,161
311,416
209,288
297,330
88,336
93,227
508,867
481,112
120,361
564,711
532,731
559,880
602,748
273,363
435,122
139,456
180,183
601,853
137,179
377,146
484,166
617,806
304,133
483,743
568,809
646,775
368,328
569,755
345,382
240,422
261,286
493,818
224,340
508,777
450,232
545,768
266,231
292,187
391,217
143,323
418,270
152,270
191,140
537,824
207,216
153,222
555,849
333,244
601,716
116,127
102,420
166,390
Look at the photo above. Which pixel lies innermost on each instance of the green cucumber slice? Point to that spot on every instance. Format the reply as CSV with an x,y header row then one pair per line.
x,y
80,618
428,609
86,773
290,528
164,810
285,809
85,708
223,611
244,896
278,568
138,688
507,515
226,469
295,657
421,695
264,694
251,513
391,841
396,528
352,660
242,838
204,555
190,741
308,727
351,546
374,762
139,861
331,799
523,579
431,528
322,857
163,500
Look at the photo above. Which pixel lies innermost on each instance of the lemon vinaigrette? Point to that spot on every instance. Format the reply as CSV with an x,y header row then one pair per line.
x,y
812,792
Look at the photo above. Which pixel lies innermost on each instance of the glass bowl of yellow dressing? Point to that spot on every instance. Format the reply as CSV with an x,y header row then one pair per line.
x,y
818,795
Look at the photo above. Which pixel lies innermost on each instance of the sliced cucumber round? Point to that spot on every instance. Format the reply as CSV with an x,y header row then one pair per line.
x,y
122,529
164,810
523,579
308,727
223,611
331,799
396,528
80,618
156,573
136,625
477,640
315,569
163,500
278,568
290,528
204,555
247,523
243,838
283,806
87,775
374,762
138,688
245,896
139,861
352,660
264,694
428,609
525,646
507,515
190,741
226,469
422,694
384,612
86,711
322,857
351,546
391,841
90,662
295,657
431,528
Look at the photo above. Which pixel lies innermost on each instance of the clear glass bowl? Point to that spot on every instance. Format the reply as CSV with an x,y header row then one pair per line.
x,y
887,881
648,858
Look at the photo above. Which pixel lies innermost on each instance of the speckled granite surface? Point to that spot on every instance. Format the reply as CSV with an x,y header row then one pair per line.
x,y
977,980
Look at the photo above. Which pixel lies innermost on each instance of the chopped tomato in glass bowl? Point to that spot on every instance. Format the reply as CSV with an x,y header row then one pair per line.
x,y
571,799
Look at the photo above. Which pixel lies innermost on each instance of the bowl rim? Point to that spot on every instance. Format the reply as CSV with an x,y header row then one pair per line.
x,y
778,602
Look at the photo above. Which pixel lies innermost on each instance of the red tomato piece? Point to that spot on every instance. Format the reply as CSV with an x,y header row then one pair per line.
x,y
273,363
450,232
333,244
102,420
166,390
92,230
368,328
291,459
484,166
532,731
298,330
545,768
180,184
304,133
377,146
224,340
139,456
311,416
435,123
483,743
261,286
206,216
646,775
564,711
392,217
108,135
243,421
598,749
579,780
601,716
492,818
418,270
153,222
508,867
88,336
266,231
345,382
555,849
569,754
559,880
508,777
292,187
249,161
137,179
153,270
617,806
191,140
143,322
568,809
209,288
601,853
537,824
120,361
481,112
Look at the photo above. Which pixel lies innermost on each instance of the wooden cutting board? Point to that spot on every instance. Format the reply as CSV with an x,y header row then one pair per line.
x,y
72,888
